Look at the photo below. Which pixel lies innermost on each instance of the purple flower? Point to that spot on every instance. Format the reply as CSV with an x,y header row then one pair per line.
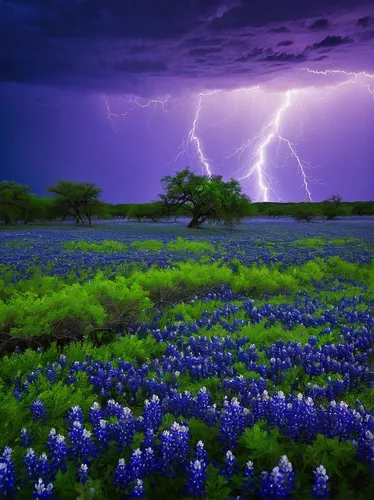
x,y
83,473
229,467
30,462
321,478
38,410
152,413
96,414
138,490
42,491
7,473
249,477
122,477
25,438
82,446
58,450
75,414
196,473
149,461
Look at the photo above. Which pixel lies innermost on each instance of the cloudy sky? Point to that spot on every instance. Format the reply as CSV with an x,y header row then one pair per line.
x,y
123,92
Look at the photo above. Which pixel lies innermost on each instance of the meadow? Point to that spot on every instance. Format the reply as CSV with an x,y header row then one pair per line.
x,y
149,360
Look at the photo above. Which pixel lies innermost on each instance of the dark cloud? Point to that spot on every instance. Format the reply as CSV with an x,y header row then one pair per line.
x,y
202,51
136,66
319,24
104,44
285,43
365,21
255,53
200,41
331,41
280,29
284,57
320,58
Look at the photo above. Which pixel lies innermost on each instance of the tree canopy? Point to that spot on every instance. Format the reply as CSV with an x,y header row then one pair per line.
x,y
77,199
205,198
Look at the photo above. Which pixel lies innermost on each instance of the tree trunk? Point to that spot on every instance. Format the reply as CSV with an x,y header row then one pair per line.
x,y
197,220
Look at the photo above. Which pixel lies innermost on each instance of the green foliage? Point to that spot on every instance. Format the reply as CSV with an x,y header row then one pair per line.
x,y
152,211
150,245
181,245
15,201
77,199
217,487
74,309
107,246
206,198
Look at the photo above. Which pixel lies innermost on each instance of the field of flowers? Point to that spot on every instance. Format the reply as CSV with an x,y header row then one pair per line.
x,y
143,360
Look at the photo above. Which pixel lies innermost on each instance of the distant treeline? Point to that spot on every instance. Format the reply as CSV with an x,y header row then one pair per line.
x,y
80,202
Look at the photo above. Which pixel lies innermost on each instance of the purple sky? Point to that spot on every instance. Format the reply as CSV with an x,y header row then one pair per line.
x,y
71,70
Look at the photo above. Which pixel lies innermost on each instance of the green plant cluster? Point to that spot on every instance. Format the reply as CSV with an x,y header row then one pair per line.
x,y
49,306
107,246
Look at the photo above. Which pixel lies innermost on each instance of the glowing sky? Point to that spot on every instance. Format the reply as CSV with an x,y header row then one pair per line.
x,y
121,93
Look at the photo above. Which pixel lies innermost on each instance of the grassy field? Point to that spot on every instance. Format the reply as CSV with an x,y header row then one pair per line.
x,y
150,360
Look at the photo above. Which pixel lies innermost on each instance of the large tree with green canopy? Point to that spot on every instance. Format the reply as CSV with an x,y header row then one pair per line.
x,y
205,198
77,199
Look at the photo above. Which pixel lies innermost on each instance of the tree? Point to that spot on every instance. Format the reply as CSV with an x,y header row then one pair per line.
x,y
332,207
205,198
152,211
14,199
305,211
76,199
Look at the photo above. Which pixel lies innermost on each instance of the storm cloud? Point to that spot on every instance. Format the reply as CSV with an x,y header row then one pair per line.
x,y
96,43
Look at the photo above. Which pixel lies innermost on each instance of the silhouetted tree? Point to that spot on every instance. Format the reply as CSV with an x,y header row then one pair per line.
x,y
76,199
15,199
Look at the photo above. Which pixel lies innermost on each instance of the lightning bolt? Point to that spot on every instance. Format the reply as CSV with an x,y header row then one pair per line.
x,y
361,77
267,135
138,102
192,136
255,167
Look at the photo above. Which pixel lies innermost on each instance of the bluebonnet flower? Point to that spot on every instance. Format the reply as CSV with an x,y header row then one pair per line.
x,y
232,423
25,438
75,414
229,466
96,414
41,490
249,478
122,477
124,429
83,473
149,461
136,466
174,448
62,360
38,410
321,478
149,439
280,482
58,450
51,375
17,393
152,413
196,473
138,490
102,433
30,462
82,446
43,466
201,453
7,473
